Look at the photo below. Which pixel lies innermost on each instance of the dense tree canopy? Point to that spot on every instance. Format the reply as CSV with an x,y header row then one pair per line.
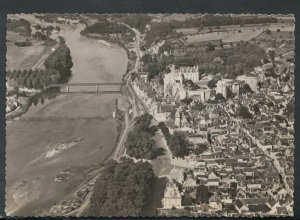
x,y
199,106
203,194
159,31
235,60
58,69
152,66
19,25
179,144
219,97
212,83
138,21
121,189
186,101
34,79
200,148
61,61
165,130
139,143
244,113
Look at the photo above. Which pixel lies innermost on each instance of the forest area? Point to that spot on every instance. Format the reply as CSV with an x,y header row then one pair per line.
x,y
57,69
166,29
139,143
122,189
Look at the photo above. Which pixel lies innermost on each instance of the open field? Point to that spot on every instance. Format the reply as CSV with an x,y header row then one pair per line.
x,y
175,16
282,27
227,37
23,57
187,31
284,41
231,33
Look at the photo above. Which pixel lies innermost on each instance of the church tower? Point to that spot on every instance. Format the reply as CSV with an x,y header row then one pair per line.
x,y
177,119
224,90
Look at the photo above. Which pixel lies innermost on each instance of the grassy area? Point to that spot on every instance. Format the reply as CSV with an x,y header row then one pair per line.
x,y
23,57
226,36
284,41
187,31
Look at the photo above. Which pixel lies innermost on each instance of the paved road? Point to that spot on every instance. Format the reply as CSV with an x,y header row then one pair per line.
x,y
121,145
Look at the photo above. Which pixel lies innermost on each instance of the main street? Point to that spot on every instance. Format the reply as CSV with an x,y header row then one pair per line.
x,y
138,107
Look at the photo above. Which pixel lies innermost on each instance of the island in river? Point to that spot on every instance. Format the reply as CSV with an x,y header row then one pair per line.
x,y
62,135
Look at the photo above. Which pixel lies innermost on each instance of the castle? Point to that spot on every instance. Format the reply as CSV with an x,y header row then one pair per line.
x,y
173,81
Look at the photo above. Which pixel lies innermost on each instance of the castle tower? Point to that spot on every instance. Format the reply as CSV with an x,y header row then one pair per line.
x,y
172,68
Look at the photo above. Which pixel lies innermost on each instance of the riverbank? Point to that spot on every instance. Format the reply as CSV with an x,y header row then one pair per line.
x,y
28,99
63,118
77,201
110,43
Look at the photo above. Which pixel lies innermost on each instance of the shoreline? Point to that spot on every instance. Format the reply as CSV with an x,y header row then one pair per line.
x,y
106,42
120,126
14,116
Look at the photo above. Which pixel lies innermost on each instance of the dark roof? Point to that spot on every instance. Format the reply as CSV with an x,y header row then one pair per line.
x,y
254,201
167,108
272,175
281,210
259,208
271,201
230,208
212,180
239,203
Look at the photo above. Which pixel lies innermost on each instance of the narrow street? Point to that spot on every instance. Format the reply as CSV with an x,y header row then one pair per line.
x,y
272,158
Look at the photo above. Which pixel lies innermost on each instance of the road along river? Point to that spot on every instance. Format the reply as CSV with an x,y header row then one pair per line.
x,y
64,134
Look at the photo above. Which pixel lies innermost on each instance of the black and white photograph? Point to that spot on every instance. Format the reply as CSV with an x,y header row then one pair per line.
x,y
160,115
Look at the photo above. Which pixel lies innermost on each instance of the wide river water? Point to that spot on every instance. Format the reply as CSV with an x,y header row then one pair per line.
x,y
42,143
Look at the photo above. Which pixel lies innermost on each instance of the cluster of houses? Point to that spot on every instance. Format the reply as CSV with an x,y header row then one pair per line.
x,y
247,167
241,179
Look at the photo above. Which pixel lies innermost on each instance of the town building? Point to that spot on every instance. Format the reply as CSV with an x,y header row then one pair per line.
x,y
251,80
172,197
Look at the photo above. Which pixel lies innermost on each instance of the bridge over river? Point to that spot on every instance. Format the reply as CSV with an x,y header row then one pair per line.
x,y
89,87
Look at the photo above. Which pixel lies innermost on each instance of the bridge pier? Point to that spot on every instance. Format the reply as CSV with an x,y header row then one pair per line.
x,y
68,89
97,88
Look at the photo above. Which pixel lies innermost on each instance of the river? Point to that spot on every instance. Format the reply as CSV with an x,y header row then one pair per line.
x,y
63,133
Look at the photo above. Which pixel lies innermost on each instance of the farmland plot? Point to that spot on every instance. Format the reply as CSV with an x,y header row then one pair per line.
x,y
227,37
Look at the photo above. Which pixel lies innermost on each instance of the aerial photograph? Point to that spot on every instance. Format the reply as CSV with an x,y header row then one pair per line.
x,y
160,115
